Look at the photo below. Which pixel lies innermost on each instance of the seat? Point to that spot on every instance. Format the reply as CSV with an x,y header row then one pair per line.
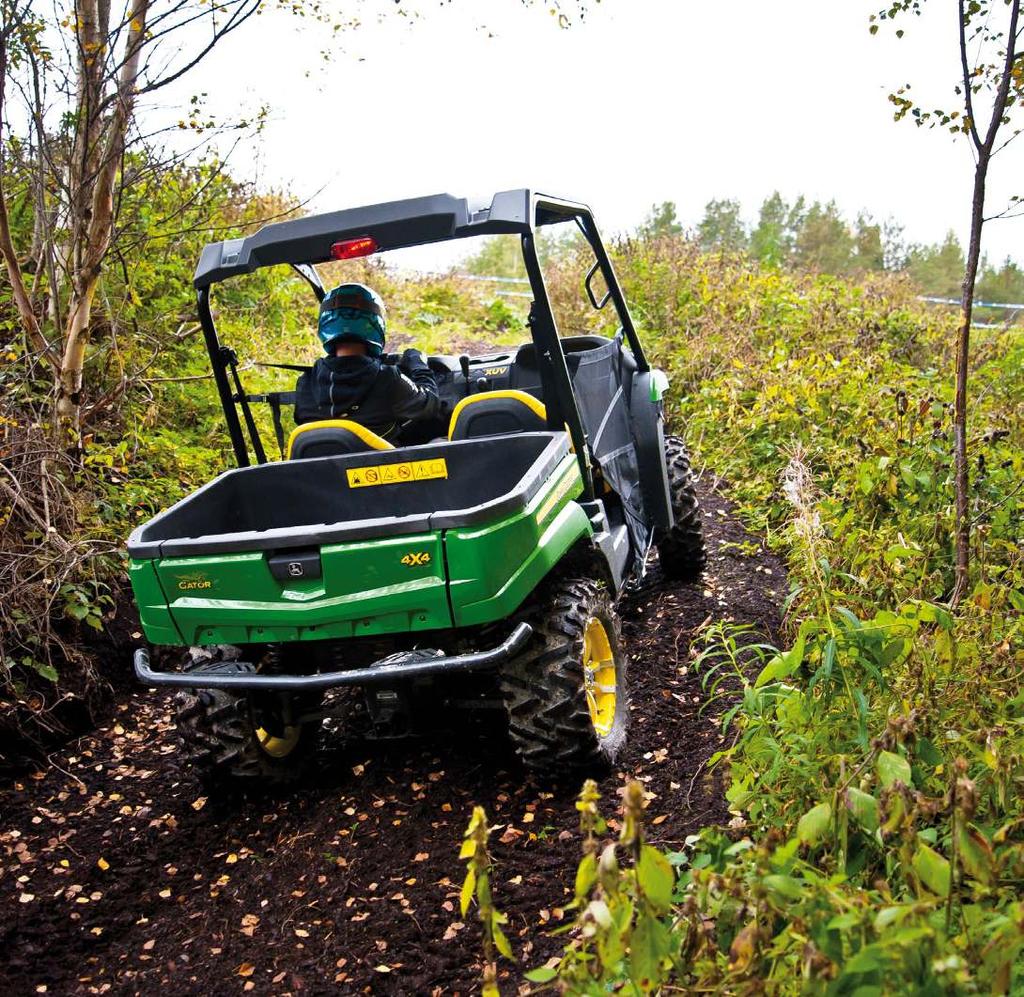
x,y
494,413
331,437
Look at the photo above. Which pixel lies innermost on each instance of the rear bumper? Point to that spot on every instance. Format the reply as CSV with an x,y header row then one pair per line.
x,y
376,674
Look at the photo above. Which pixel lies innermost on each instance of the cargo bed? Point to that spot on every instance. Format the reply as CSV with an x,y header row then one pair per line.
x,y
385,541
381,493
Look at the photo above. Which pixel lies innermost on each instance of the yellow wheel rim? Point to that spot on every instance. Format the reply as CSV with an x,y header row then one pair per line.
x,y
278,747
599,681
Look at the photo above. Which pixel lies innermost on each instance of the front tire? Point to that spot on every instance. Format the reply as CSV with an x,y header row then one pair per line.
x,y
681,549
224,744
566,696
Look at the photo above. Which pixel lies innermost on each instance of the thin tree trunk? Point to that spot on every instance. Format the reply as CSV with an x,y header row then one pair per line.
x,y
961,471
984,147
22,298
101,164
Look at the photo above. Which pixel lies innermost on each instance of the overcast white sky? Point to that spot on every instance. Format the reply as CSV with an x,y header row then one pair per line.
x,y
647,100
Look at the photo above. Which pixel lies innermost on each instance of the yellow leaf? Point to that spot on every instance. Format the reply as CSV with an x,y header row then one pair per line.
x,y
103,863
231,859
246,969
467,891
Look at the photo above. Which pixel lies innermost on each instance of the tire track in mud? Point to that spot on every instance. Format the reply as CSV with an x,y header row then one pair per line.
x,y
119,875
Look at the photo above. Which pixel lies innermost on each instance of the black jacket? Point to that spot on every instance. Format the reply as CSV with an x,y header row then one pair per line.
x,y
379,396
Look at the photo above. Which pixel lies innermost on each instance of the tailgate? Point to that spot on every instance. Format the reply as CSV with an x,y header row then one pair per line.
x,y
382,586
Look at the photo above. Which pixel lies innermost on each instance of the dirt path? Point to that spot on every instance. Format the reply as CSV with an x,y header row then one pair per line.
x,y
117,875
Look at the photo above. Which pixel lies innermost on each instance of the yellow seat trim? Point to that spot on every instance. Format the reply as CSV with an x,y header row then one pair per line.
x,y
520,396
371,439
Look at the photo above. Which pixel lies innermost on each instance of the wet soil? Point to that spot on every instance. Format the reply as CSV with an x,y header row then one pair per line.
x,y
118,874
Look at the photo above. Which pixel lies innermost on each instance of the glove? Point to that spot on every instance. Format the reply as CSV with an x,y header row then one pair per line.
x,y
412,362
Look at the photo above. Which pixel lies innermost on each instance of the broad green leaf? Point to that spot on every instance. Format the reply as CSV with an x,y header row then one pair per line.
x,y
656,878
786,662
865,961
586,875
893,768
843,921
891,915
975,853
542,974
786,886
933,869
648,946
45,671
864,808
814,824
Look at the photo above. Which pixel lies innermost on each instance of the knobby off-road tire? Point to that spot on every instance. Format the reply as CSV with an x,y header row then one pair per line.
x,y
551,722
222,745
681,549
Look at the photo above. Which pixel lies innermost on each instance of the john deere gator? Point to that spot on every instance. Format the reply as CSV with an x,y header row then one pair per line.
x,y
347,577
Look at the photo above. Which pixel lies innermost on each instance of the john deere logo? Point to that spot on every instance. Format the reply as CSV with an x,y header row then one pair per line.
x,y
417,559
192,583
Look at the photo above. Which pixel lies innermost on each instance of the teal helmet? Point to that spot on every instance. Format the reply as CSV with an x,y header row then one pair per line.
x,y
353,312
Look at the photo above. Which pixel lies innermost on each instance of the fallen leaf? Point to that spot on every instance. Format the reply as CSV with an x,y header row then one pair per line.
x,y
231,859
301,933
246,969
198,805
660,819
421,857
149,945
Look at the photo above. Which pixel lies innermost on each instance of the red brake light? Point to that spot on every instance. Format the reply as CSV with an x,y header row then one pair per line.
x,y
365,245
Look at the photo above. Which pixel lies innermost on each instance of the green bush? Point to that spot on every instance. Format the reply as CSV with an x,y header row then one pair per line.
x,y
877,840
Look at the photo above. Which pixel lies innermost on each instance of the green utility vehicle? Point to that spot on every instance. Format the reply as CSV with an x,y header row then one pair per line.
x,y
390,585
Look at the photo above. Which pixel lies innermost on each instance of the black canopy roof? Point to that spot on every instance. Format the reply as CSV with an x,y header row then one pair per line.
x,y
393,225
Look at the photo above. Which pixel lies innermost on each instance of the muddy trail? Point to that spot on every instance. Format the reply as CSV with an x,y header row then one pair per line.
x,y
120,875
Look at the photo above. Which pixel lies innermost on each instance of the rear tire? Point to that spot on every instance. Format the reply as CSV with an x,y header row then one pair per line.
x,y
223,745
566,696
681,549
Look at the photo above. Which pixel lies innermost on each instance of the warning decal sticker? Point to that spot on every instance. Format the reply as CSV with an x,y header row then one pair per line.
x,y
397,474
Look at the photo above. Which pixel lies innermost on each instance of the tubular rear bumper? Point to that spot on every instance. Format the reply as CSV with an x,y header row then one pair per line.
x,y
375,674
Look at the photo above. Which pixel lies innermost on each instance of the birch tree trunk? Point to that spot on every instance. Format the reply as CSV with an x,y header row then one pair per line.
x,y
97,161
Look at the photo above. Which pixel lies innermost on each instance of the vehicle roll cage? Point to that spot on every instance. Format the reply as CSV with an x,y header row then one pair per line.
x,y
303,242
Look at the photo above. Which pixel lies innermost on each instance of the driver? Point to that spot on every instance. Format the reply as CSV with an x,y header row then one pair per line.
x,y
351,382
